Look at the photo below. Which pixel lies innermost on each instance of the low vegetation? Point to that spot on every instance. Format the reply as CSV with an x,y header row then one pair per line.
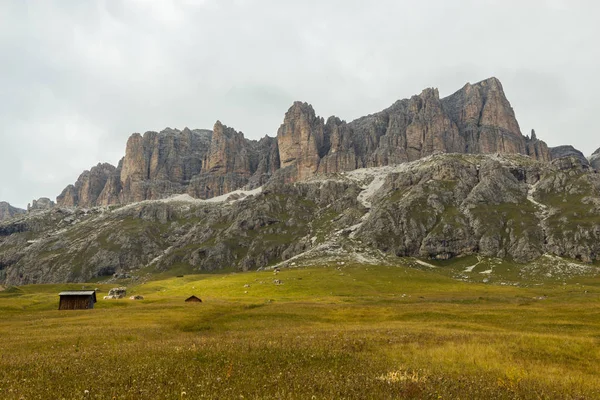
x,y
337,331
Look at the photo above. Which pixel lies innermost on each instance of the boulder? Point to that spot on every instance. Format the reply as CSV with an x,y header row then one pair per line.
x,y
117,293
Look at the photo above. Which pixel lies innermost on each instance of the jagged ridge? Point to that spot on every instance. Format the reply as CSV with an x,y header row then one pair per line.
x,y
476,119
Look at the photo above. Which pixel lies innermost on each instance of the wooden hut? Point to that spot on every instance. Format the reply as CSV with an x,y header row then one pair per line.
x,y
77,300
193,299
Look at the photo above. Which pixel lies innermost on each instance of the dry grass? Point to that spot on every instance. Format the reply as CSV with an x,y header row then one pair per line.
x,y
355,333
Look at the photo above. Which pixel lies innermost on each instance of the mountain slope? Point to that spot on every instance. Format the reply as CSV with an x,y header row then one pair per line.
x,y
439,207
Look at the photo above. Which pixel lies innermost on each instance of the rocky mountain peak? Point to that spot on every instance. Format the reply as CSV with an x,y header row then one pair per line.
x,y
301,139
300,108
491,82
229,152
483,104
432,93
220,130
87,188
533,135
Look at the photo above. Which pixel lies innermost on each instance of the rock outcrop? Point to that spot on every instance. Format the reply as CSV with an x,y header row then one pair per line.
x,y
7,211
160,164
568,151
536,148
595,160
87,188
40,204
230,163
302,140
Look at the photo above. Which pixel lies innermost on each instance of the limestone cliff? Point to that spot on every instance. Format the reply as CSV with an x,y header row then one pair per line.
x,y
160,164
156,165
301,140
477,119
87,188
228,165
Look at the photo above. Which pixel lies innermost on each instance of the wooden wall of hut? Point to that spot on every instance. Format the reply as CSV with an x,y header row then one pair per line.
x,y
76,302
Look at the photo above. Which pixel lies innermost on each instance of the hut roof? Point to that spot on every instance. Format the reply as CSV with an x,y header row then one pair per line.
x,y
79,293
193,298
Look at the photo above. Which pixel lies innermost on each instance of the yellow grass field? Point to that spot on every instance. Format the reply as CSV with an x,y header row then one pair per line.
x,y
330,332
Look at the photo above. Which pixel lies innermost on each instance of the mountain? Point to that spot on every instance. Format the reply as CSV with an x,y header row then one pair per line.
x,y
477,119
504,206
428,178
7,211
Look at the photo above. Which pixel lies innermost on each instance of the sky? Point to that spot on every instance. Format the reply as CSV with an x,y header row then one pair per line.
x,y
77,78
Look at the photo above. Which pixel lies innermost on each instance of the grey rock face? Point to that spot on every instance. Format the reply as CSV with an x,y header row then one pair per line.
x,y
7,211
454,209
160,164
595,160
568,151
233,162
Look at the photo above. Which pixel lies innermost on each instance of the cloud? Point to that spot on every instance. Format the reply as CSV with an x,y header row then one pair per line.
x,y
79,77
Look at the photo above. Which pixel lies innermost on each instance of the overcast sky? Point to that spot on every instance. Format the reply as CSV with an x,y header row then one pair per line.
x,y
78,77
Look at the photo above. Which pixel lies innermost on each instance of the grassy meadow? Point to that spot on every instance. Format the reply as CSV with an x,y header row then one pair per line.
x,y
327,332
